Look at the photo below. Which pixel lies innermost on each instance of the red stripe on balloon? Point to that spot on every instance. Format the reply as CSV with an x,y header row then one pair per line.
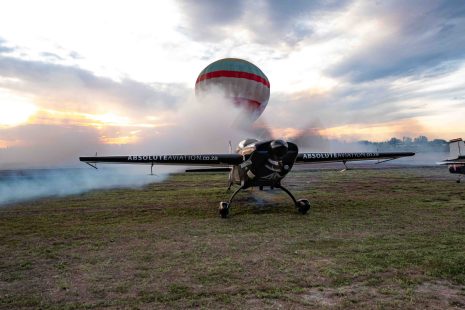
x,y
233,74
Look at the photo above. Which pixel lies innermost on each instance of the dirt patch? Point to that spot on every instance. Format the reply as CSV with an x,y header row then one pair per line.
x,y
443,293
331,297
433,295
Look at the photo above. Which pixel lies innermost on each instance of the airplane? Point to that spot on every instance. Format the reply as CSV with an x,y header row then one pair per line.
x,y
255,164
456,161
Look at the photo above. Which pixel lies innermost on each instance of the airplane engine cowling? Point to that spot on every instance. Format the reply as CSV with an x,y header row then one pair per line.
x,y
270,162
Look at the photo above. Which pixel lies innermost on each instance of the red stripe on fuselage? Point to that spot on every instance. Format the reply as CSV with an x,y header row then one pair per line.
x,y
233,74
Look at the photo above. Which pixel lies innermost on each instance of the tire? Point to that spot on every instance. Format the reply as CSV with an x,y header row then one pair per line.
x,y
303,206
224,209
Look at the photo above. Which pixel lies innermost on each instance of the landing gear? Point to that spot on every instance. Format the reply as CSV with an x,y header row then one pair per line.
x,y
224,206
459,180
302,205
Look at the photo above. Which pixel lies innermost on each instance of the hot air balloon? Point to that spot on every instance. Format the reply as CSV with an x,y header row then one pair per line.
x,y
241,81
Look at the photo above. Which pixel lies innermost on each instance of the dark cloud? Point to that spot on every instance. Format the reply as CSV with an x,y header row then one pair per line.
x,y
206,18
268,22
428,33
59,85
283,14
424,33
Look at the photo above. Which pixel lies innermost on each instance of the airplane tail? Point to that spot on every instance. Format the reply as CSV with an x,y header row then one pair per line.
x,y
457,148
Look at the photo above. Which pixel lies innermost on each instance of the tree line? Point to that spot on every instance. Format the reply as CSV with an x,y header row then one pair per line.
x,y
407,144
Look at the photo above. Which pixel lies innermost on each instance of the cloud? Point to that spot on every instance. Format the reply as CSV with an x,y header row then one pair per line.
x,y
385,100
370,103
410,37
4,48
60,86
270,23
205,18
51,56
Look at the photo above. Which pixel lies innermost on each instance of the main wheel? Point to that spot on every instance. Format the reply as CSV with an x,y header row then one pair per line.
x,y
224,209
303,206
458,181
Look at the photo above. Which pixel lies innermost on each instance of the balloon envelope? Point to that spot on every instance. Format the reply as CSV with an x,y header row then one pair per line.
x,y
240,80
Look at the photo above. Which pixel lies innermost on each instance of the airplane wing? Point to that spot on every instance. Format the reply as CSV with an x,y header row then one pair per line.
x,y
219,160
309,158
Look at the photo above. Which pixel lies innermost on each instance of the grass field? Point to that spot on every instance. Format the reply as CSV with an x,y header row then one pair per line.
x,y
374,238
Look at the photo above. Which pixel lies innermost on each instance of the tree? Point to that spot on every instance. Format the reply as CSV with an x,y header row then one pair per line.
x,y
394,141
407,140
420,140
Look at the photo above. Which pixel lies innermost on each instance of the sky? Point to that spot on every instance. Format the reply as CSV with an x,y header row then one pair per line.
x,y
79,77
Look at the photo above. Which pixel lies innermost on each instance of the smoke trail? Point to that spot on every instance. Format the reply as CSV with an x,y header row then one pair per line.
x,y
23,185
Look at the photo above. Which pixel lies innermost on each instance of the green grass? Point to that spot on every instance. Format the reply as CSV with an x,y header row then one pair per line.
x,y
373,238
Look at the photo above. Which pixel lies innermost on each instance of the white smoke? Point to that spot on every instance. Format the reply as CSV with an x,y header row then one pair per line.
x,y
22,185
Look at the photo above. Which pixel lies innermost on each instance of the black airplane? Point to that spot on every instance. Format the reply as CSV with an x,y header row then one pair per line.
x,y
255,164
456,162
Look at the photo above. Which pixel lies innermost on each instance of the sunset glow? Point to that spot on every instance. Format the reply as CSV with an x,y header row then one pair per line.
x,y
99,121
120,140
375,132
15,110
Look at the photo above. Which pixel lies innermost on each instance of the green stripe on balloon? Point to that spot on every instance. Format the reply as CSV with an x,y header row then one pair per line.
x,y
233,64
